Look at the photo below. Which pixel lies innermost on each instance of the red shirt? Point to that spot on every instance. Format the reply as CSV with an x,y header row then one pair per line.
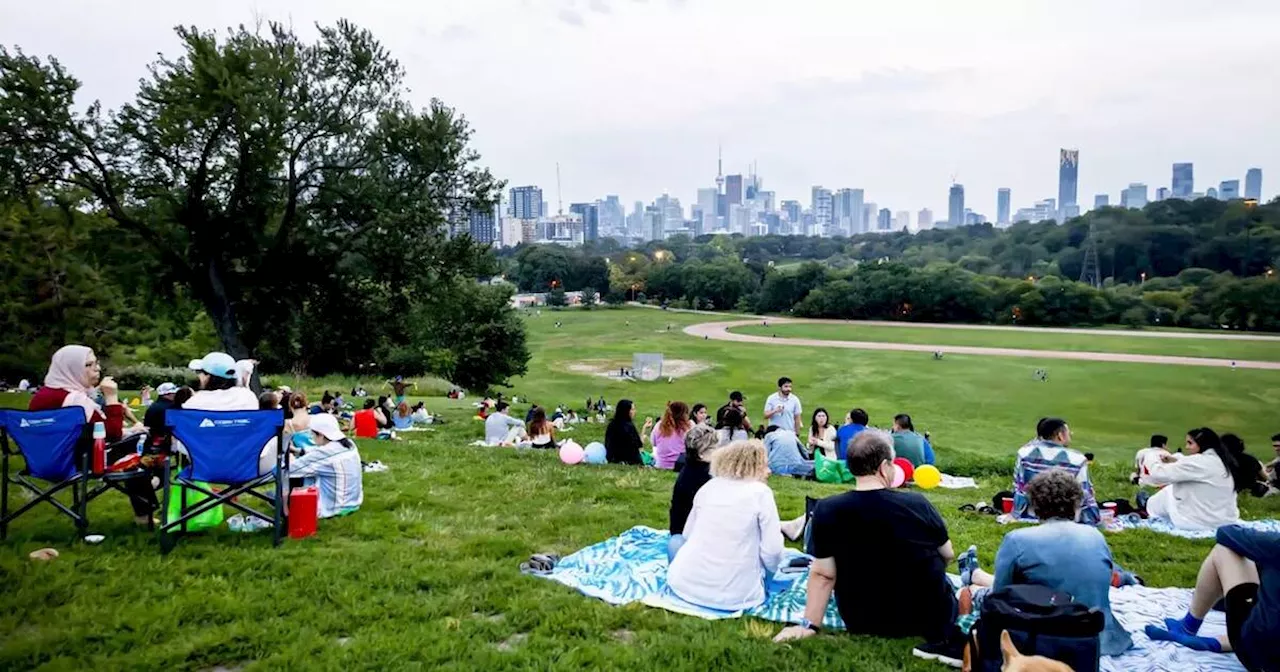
x,y
48,399
366,424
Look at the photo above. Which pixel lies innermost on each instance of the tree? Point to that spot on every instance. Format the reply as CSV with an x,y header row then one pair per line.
x,y
556,298
256,153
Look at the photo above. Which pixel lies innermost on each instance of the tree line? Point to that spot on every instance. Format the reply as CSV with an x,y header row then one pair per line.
x,y
264,195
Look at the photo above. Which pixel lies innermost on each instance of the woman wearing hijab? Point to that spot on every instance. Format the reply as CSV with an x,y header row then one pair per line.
x,y
73,374
622,443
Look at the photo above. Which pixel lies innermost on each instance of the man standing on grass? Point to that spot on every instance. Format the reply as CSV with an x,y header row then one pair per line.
x,y
883,553
782,408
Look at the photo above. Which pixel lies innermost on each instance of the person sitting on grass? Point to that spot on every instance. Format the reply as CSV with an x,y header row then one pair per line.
x,y
332,461
739,402
699,415
500,429
622,443
420,415
908,443
269,400
1250,476
786,457
733,538
1198,488
74,373
700,442
402,418
732,427
542,432
1058,554
854,423
154,418
1049,450
298,424
1273,467
822,436
883,553
1242,570
668,437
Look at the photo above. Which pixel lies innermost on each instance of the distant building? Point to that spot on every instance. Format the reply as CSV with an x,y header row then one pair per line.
x,y
821,205
1253,184
1046,210
955,206
1002,206
902,221
1068,177
613,219
1212,193
793,212
482,226
846,211
1162,193
1101,201
1184,183
924,219
869,214
1229,190
654,223
1068,212
1024,215
590,214
513,231
885,221
732,189
526,203
1134,197
707,204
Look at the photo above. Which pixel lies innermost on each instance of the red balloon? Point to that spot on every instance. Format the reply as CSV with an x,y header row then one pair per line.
x,y
906,466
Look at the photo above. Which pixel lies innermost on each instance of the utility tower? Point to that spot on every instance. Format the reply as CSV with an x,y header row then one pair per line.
x,y
1090,271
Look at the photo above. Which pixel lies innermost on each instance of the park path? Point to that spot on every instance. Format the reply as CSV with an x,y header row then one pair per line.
x,y
720,331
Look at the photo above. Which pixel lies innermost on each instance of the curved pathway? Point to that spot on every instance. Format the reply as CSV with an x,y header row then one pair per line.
x,y
720,331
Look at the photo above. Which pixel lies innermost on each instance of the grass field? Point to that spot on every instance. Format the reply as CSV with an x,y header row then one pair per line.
x,y
425,575
1222,349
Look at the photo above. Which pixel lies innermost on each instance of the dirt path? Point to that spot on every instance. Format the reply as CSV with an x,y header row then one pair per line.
x,y
720,331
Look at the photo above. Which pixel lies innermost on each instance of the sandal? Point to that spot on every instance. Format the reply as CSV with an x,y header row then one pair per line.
x,y
968,508
540,564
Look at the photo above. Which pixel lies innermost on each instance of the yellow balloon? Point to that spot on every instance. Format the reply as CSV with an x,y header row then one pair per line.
x,y
927,476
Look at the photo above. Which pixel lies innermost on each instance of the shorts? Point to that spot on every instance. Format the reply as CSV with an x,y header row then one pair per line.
x,y
1239,605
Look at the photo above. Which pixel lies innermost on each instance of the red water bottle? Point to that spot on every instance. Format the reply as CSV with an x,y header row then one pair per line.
x,y
99,447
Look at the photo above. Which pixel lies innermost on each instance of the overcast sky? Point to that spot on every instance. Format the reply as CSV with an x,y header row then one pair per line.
x,y
895,97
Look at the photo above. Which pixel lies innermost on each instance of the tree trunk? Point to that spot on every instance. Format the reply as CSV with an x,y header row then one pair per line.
x,y
213,294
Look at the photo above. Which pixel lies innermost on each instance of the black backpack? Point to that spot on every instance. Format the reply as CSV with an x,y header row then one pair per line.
x,y
1041,622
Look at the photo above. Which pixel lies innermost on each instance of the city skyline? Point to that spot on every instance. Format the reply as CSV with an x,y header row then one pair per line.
x,y
911,111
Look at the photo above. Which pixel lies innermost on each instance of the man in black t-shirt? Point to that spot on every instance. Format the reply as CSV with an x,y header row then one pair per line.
x,y
736,400
884,554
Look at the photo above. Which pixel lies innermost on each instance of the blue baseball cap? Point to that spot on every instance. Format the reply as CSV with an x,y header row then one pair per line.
x,y
218,364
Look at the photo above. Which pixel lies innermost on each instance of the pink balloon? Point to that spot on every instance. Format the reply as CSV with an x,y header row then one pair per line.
x,y
899,476
572,453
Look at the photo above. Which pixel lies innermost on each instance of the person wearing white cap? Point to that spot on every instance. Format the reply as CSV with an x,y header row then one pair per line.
x,y
218,391
154,417
333,462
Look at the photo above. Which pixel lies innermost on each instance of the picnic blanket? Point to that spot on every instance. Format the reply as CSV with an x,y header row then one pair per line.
x,y
632,567
1165,527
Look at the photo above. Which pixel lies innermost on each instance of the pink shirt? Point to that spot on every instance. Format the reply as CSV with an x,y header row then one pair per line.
x,y
667,449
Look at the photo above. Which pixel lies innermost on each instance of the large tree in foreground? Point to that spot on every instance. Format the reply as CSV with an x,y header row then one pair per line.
x,y
287,184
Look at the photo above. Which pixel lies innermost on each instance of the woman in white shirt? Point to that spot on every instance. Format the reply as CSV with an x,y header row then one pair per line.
x,y
1199,490
219,391
822,436
733,536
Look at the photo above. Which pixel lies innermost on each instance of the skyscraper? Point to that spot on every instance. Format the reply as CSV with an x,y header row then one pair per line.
x,y
590,213
1002,207
1101,201
526,202
793,211
1253,184
902,221
1068,176
885,221
707,203
732,189
869,216
924,219
612,216
1135,196
955,206
1229,190
820,203
482,226
1184,182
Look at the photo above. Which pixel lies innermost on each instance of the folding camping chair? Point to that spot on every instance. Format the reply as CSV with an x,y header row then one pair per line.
x,y
223,448
46,441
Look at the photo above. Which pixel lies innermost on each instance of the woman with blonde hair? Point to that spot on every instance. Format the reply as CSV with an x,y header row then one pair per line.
x,y
668,436
733,535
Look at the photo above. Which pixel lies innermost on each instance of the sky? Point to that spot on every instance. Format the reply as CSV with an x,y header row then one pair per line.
x,y
896,97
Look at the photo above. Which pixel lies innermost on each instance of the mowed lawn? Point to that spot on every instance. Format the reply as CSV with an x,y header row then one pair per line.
x,y
1262,350
425,575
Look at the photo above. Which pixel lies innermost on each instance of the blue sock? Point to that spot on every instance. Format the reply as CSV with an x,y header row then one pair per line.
x,y
1180,636
1191,624
967,562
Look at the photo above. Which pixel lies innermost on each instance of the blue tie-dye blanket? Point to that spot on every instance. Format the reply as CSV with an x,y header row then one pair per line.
x,y
1165,527
632,567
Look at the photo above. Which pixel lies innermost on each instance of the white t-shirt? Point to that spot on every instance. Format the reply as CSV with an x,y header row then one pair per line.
x,y
734,536
234,399
790,409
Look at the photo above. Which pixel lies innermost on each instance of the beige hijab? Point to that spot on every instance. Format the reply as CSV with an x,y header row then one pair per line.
x,y
66,372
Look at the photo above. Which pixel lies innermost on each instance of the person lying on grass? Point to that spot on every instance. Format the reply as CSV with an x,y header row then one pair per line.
x,y
733,538
894,535
1243,570
1058,554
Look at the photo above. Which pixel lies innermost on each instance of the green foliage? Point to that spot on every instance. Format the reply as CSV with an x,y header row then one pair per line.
x,y
538,268
134,376
556,298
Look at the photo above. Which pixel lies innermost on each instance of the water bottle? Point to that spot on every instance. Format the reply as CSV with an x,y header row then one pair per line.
x,y
99,447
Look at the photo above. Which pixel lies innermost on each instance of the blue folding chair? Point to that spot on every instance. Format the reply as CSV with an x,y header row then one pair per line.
x,y
46,441
223,448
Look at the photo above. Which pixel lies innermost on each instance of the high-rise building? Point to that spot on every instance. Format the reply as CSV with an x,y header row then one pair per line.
x,y
924,219
869,213
1101,201
1253,184
733,189
1162,193
655,223
846,211
885,220
1002,206
612,216
526,202
902,221
821,204
1134,197
1184,183
707,203
482,225
794,212
590,213
1229,190
955,206
1068,177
